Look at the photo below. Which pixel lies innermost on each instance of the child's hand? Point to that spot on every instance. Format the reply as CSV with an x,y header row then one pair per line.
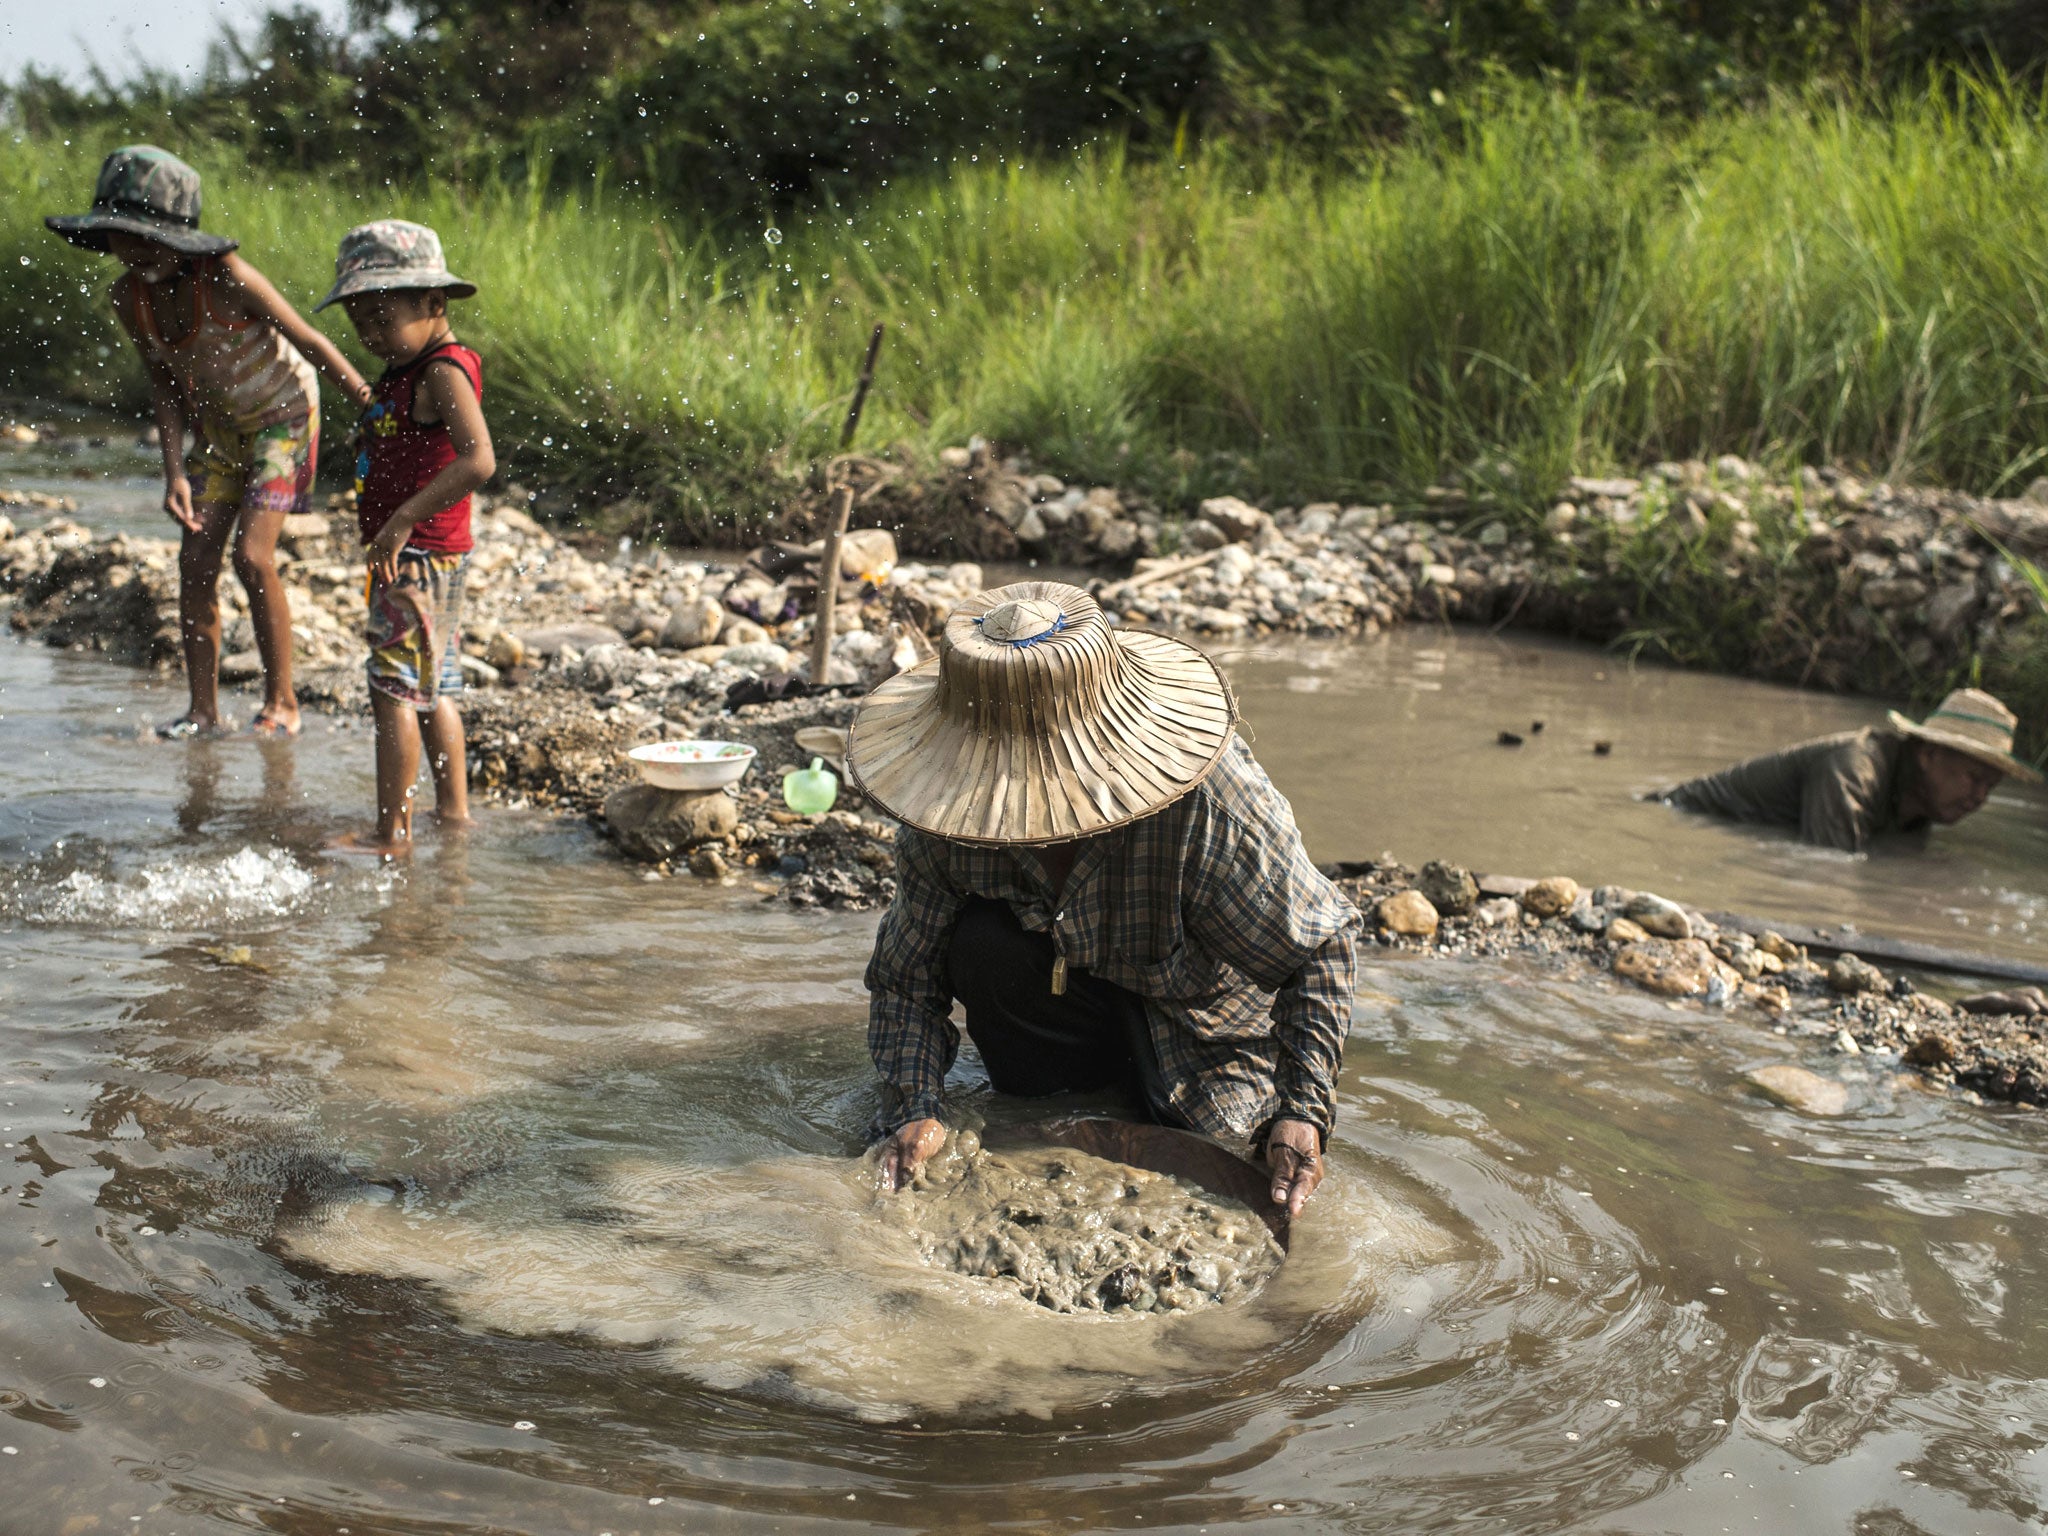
x,y
383,550
178,502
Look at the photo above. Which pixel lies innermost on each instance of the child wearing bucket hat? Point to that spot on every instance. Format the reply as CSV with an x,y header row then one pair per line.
x,y
422,449
229,358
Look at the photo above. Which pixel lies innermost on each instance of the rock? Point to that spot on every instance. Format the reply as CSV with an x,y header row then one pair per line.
x,y
1658,917
1774,943
693,623
1951,609
2023,1001
1451,890
303,528
241,667
1495,911
656,824
763,656
1315,523
706,655
1007,499
1552,897
505,650
1933,1049
709,864
1732,466
1030,527
1239,520
1503,885
1850,975
1198,534
555,637
1668,967
1560,518
1119,539
1622,931
1796,1088
476,672
1617,490
1845,1044
1408,913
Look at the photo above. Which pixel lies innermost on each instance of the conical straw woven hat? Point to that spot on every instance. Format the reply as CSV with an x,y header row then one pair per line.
x,y
1975,723
1038,723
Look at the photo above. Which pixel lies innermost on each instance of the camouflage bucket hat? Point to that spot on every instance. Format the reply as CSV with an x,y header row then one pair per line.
x,y
143,191
392,253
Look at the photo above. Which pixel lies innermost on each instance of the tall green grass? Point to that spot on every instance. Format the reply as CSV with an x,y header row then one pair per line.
x,y
1550,284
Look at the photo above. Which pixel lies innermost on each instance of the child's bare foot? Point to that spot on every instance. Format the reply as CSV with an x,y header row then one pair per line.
x,y
370,845
189,727
443,822
276,722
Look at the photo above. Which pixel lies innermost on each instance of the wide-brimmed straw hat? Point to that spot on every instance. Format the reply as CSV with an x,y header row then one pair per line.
x,y
392,253
143,191
1039,723
1972,722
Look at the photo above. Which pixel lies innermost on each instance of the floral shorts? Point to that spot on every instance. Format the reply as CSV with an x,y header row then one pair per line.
x,y
415,629
269,469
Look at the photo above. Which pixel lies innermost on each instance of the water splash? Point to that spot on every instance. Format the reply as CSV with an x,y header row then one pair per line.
x,y
239,888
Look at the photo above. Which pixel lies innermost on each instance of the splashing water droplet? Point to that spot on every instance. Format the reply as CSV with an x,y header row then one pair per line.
x,y
772,235
852,97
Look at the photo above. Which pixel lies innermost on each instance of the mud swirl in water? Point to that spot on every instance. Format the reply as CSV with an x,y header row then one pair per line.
x,y
794,1277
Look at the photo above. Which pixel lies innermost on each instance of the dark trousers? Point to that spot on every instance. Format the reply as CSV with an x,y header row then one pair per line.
x,y
1034,1042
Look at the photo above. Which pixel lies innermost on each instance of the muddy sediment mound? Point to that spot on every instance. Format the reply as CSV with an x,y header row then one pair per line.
x,y
1072,1232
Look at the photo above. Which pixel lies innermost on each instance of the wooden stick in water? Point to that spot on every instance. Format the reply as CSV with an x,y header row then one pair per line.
x,y
835,532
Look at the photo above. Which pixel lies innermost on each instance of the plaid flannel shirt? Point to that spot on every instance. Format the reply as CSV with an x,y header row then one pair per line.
x,y
1245,955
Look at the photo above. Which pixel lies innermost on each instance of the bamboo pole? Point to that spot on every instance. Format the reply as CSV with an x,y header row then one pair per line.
x,y
835,532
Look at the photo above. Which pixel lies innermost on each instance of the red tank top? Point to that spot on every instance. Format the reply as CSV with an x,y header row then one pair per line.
x,y
397,455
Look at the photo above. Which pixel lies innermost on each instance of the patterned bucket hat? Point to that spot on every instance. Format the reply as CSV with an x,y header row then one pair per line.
x,y
392,253
1974,723
143,191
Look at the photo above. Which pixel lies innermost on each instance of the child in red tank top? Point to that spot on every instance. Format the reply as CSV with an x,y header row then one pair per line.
x,y
423,450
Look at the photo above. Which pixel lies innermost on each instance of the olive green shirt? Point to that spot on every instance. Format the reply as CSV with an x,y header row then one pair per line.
x,y
1839,791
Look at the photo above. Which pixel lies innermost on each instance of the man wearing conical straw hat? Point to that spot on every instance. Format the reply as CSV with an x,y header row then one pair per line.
x,y
1841,791
1094,866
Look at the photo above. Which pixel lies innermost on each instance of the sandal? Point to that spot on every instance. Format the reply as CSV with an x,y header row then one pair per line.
x,y
268,727
185,728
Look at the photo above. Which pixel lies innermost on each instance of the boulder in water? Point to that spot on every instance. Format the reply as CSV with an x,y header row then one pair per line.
x,y
656,824
1668,967
1797,1088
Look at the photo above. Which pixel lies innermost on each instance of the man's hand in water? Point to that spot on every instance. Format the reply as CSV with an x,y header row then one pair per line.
x,y
904,1153
1294,1153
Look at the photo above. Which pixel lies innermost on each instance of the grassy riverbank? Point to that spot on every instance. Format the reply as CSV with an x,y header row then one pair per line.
x,y
1553,284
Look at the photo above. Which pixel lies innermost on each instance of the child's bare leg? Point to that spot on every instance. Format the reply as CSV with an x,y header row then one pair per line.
x,y
441,730
398,766
270,614
199,561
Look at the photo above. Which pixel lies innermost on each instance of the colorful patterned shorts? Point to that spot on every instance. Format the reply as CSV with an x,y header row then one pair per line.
x,y
415,629
269,469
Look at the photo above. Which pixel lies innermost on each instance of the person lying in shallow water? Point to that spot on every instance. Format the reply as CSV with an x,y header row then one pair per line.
x,y
1094,865
1841,791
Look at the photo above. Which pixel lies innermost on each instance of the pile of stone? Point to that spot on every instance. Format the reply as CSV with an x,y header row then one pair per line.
x,y
1995,1044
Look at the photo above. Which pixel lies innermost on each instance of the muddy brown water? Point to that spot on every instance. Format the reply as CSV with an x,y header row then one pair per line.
x,y
1394,747
514,1192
